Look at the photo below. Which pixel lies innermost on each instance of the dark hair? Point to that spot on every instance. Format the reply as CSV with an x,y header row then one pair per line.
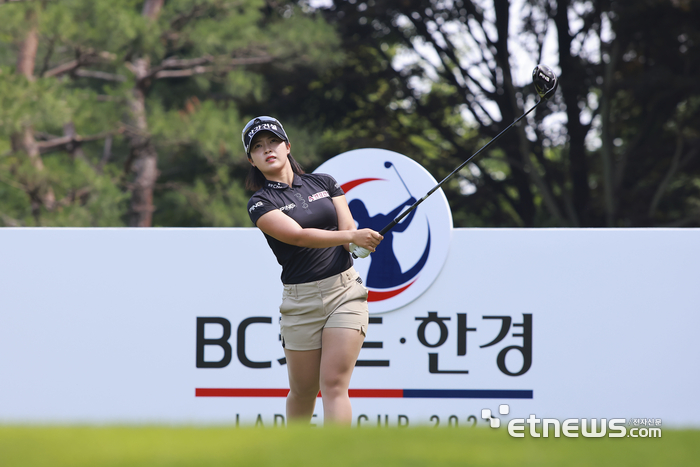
x,y
256,180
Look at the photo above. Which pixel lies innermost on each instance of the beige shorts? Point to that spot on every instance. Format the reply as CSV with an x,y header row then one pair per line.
x,y
339,301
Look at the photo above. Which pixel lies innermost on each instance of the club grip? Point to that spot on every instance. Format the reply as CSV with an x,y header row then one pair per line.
x,y
388,227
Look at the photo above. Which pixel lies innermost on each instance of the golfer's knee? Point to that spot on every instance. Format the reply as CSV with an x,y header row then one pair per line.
x,y
334,386
304,392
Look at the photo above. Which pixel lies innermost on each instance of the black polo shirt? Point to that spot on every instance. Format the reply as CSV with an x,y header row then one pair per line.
x,y
307,201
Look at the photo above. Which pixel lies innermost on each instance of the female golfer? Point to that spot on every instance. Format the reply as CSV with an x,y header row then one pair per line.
x,y
309,227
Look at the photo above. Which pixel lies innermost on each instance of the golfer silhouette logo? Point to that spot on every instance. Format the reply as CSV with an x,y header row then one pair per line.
x,y
385,271
379,185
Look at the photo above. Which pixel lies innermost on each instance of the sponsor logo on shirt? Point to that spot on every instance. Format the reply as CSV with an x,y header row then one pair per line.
x,y
255,206
319,195
288,207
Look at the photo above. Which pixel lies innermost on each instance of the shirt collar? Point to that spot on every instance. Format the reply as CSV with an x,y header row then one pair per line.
x,y
282,186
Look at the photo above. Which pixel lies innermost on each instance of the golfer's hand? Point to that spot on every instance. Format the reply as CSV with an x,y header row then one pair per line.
x,y
365,242
358,251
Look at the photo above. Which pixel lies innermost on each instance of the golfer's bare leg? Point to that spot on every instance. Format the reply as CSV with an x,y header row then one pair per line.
x,y
341,347
303,369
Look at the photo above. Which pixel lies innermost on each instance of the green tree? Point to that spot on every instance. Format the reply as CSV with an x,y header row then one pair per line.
x,y
112,110
616,145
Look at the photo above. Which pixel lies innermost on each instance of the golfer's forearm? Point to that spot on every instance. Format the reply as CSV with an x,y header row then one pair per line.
x,y
319,238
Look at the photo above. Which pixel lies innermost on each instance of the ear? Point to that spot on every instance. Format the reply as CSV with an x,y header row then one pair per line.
x,y
289,147
250,159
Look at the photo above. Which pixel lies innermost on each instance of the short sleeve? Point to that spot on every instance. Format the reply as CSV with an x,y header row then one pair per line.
x,y
334,189
257,206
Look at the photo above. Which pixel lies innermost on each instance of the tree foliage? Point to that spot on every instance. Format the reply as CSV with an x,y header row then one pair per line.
x,y
129,113
616,146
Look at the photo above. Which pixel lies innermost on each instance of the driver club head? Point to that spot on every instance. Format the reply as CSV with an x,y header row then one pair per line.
x,y
545,81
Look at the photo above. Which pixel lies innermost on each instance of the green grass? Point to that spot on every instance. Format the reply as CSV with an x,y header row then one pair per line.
x,y
30,446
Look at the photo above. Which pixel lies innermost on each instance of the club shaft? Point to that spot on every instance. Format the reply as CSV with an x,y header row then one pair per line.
x,y
400,178
436,187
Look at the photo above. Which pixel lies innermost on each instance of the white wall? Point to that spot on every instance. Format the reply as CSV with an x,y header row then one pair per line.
x,y
99,326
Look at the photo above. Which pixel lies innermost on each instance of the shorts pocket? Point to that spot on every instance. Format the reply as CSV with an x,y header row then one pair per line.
x,y
288,304
360,290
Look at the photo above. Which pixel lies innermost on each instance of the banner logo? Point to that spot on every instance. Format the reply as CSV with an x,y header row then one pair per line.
x,y
379,185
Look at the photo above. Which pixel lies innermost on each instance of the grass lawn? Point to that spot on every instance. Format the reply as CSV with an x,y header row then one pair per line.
x,y
54,446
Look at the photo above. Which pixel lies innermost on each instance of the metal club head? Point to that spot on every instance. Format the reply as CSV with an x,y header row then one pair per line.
x,y
545,81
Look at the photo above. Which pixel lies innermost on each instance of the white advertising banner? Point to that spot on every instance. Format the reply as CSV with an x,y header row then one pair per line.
x,y
181,326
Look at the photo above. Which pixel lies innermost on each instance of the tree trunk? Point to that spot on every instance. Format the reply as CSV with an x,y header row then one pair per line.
x,y
606,150
73,148
26,57
525,205
41,194
144,164
143,155
151,8
578,163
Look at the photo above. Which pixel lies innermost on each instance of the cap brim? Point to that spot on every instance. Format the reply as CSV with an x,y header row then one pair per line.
x,y
274,132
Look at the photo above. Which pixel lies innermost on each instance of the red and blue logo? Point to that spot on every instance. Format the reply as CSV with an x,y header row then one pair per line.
x,y
379,185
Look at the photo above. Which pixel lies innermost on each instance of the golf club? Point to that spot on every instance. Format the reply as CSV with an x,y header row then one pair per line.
x,y
545,82
388,164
